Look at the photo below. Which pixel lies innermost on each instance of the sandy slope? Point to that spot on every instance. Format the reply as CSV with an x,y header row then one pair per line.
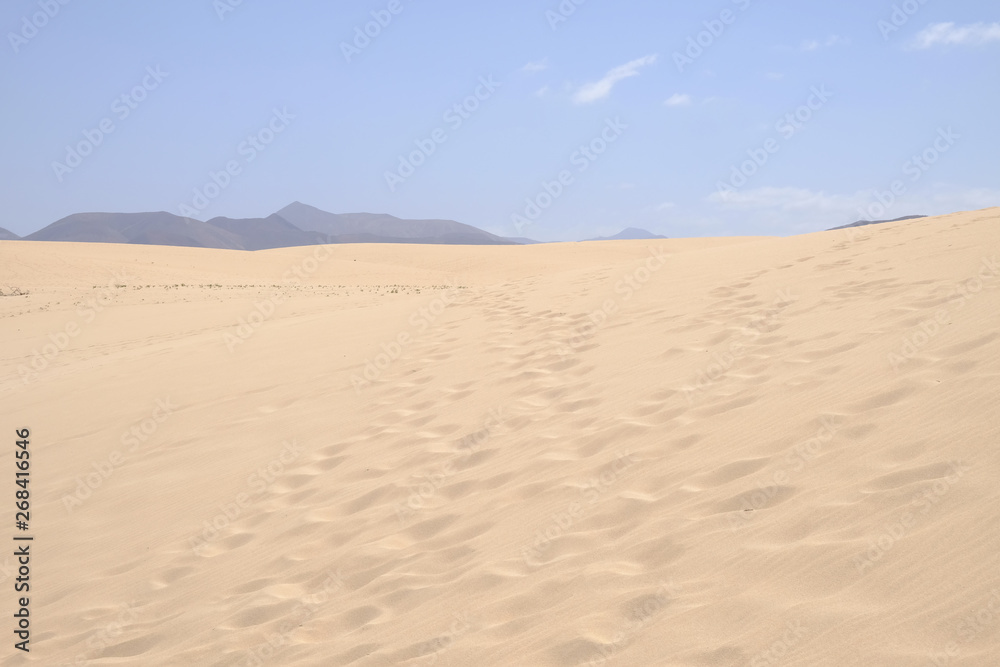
x,y
771,451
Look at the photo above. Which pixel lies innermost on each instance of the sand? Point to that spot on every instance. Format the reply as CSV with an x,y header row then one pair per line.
x,y
752,451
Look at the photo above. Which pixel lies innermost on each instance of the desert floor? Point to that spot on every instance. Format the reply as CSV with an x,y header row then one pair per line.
x,y
752,451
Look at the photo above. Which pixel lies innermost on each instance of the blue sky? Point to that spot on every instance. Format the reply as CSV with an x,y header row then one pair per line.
x,y
572,120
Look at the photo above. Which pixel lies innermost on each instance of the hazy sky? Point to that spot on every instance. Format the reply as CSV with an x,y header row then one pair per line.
x,y
581,118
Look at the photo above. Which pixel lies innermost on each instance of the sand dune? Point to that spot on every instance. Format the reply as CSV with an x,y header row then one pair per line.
x,y
749,451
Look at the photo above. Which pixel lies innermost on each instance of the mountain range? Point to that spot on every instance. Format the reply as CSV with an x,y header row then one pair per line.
x,y
295,225
629,234
382,228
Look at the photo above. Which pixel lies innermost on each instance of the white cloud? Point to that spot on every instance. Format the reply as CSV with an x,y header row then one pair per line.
x,y
794,210
542,92
945,198
802,209
658,208
948,33
775,76
678,100
536,67
784,199
815,44
598,90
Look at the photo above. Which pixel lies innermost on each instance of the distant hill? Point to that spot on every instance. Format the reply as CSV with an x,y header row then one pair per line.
x,y
630,234
310,226
270,232
382,228
140,228
8,235
522,240
862,223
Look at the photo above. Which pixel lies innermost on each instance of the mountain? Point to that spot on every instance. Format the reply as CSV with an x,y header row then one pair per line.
x,y
382,228
270,232
630,234
169,229
862,223
522,240
7,235
311,226
141,228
